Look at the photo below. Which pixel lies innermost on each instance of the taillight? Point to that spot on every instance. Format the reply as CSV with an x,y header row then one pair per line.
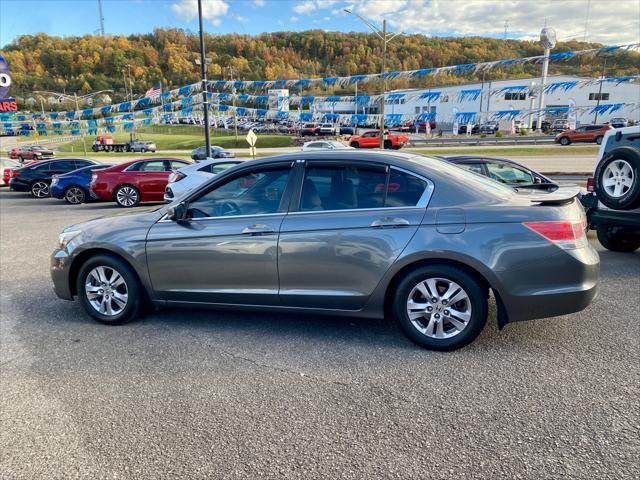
x,y
15,173
591,187
566,235
176,177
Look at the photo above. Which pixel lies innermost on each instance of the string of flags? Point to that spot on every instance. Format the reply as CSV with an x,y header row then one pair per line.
x,y
241,85
161,114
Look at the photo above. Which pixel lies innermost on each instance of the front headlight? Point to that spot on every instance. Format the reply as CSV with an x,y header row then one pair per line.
x,y
66,237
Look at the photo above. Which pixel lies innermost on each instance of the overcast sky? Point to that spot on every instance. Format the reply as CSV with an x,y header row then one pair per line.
x,y
605,21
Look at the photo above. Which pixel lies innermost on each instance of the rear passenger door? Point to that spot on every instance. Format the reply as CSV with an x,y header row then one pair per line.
x,y
152,178
348,224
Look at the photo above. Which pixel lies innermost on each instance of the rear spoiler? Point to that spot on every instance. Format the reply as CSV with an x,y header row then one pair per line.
x,y
561,196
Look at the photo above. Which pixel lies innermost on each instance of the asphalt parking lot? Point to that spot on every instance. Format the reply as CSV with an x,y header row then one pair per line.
x,y
206,394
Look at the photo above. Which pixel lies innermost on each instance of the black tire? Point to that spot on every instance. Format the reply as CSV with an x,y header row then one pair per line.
x,y
134,303
74,195
617,240
476,300
94,148
599,139
40,188
126,196
565,141
387,144
629,159
20,158
354,145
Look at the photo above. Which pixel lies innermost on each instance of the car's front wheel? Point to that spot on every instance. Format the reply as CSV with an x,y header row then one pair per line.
x,y
599,140
40,189
109,290
127,196
440,307
74,195
565,141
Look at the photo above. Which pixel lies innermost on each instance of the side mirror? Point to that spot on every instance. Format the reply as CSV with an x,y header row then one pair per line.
x,y
177,213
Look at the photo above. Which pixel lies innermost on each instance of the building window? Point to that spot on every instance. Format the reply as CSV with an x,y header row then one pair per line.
x,y
598,96
444,98
417,110
515,96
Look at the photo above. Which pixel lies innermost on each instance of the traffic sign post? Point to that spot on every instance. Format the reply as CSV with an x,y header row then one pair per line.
x,y
251,140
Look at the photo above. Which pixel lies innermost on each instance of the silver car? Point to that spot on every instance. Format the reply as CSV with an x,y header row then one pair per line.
x,y
187,178
348,233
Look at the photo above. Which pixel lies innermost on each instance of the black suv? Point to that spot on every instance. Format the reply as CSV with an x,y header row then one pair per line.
x,y
36,177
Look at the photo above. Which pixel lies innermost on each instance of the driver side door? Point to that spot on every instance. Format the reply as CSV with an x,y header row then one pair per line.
x,y
226,251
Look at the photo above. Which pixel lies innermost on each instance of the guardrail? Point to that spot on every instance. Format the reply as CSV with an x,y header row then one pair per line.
x,y
524,140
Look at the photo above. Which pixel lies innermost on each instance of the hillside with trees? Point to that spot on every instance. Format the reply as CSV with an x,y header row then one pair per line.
x,y
90,63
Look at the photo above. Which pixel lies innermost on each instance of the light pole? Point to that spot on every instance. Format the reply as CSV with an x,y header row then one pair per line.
x,y
548,41
386,38
604,68
203,75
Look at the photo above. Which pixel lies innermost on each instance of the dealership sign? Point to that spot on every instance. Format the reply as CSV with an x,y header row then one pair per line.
x,y
6,104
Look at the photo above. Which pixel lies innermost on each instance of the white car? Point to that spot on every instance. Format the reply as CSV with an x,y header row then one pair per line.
x,y
324,145
142,146
7,164
327,129
187,178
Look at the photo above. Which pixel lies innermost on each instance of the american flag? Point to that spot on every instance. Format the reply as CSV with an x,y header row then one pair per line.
x,y
154,91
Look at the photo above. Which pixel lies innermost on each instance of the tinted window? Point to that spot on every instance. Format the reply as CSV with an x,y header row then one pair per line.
x,y
473,167
216,168
65,165
44,167
506,173
340,188
175,164
154,166
249,194
82,163
405,190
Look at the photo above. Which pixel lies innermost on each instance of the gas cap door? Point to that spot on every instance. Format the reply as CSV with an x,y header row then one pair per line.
x,y
450,220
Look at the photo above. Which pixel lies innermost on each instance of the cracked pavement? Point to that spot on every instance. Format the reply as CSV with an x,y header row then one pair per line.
x,y
209,394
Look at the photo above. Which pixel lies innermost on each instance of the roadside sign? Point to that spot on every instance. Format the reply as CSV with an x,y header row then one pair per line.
x,y
251,138
252,152
36,135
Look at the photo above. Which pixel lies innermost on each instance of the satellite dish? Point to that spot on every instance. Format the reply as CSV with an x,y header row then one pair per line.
x,y
548,38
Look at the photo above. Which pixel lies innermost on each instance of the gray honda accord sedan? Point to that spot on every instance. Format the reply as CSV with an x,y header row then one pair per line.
x,y
368,234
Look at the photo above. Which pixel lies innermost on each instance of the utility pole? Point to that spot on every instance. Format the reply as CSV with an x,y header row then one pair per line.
x,y
101,17
506,27
233,103
203,75
385,39
604,67
548,41
84,144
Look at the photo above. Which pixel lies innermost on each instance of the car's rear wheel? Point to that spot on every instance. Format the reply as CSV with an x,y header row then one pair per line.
x,y
617,179
564,141
599,139
109,290
74,195
127,196
40,189
440,307
617,240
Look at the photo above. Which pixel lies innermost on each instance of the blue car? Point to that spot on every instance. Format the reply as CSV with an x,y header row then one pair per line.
x,y
74,186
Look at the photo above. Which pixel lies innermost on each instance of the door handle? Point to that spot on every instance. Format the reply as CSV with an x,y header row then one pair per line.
x,y
258,229
390,222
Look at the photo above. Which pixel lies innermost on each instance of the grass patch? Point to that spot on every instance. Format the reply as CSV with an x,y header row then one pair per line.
x,y
513,151
185,141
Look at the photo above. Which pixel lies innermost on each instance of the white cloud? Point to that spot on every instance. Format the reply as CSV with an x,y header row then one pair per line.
x,y
308,6
242,19
212,10
293,19
259,3
608,23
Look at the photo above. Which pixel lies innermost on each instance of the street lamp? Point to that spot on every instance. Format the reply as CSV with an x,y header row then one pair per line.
x,y
386,38
548,41
203,74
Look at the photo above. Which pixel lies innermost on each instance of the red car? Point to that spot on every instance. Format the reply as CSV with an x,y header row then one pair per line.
x,y
310,129
585,133
33,152
371,139
133,182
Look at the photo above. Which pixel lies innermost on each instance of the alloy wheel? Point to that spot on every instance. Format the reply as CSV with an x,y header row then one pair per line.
x,y
127,196
74,195
617,178
439,308
106,291
40,189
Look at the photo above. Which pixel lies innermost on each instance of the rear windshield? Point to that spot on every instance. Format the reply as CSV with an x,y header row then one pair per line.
x,y
462,175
